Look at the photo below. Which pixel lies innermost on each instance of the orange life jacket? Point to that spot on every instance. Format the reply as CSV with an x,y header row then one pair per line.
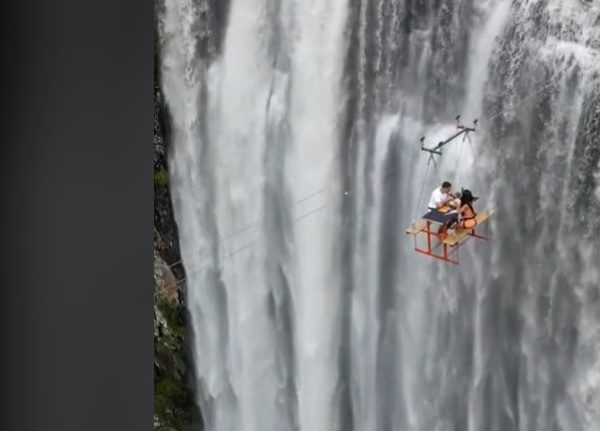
x,y
468,220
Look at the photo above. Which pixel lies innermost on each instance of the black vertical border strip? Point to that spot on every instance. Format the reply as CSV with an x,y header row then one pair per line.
x,y
76,304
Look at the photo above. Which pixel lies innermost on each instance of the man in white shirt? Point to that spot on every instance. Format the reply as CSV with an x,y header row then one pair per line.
x,y
441,196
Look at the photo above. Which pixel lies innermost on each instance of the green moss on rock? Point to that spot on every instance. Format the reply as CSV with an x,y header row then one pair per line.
x,y
161,177
174,403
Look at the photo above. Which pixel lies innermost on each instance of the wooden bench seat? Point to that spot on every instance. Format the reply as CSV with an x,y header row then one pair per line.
x,y
417,227
461,234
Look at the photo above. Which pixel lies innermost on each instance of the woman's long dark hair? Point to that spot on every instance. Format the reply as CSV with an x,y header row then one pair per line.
x,y
466,197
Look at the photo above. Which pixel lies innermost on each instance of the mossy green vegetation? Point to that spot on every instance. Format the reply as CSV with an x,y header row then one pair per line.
x,y
161,177
174,403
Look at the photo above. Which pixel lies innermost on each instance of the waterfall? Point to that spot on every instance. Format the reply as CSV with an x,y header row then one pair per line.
x,y
295,167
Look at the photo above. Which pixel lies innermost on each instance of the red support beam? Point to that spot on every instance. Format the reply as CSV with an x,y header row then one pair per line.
x,y
418,250
445,255
429,236
429,251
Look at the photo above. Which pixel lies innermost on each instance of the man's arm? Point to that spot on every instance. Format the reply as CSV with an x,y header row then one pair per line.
x,y
443,201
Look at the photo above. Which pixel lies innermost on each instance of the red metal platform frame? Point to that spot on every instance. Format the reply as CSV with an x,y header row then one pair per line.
x,y
445,254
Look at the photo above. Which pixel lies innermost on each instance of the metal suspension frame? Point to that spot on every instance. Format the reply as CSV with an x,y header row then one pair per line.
x,y
437,150
447,251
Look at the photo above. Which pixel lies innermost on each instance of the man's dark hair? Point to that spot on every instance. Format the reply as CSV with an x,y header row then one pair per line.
x,y
446,184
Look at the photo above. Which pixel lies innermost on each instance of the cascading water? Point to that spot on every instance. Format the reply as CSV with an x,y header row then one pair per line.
x,y
295,168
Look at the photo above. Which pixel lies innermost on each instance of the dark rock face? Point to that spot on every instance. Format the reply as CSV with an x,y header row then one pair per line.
x,y
174,405
165,228
175,408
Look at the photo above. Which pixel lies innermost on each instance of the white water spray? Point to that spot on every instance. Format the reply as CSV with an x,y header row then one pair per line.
x,y
301,286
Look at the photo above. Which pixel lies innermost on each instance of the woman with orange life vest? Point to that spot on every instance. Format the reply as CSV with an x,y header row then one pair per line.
x,y
465,216
466,213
